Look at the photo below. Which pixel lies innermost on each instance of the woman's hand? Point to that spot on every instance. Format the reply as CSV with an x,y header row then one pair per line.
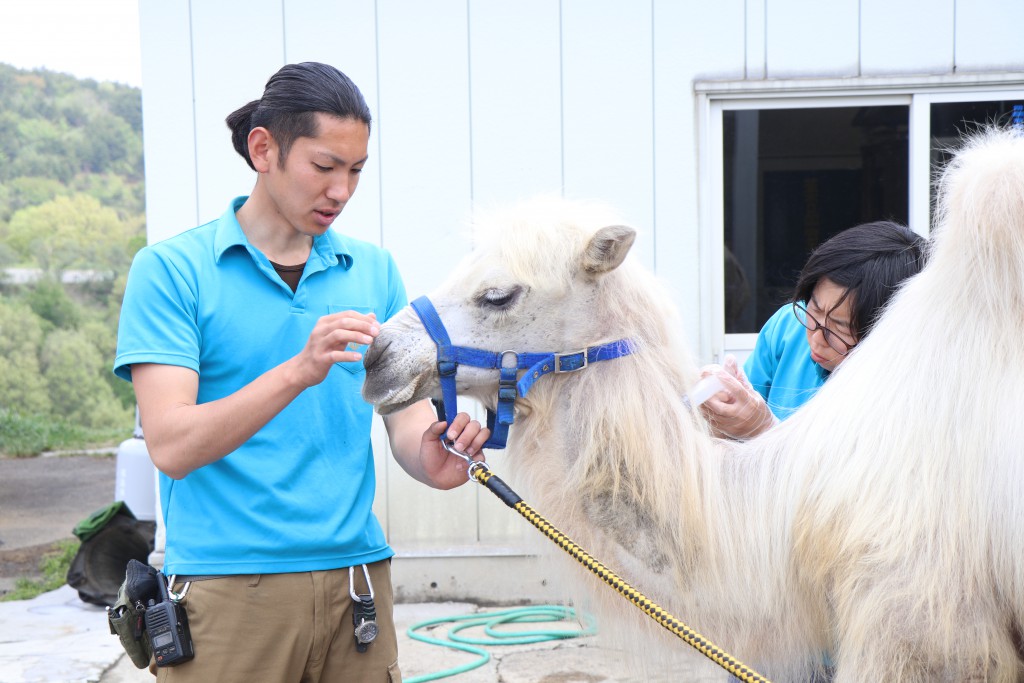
x,y
736,411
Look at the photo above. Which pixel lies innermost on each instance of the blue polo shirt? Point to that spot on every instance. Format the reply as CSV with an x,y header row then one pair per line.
x,y
780,366
296,496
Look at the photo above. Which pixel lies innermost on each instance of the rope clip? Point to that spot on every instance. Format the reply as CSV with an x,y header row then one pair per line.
x,y
474,465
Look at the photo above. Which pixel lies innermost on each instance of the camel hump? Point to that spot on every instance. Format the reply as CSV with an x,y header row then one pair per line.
x,y
980,211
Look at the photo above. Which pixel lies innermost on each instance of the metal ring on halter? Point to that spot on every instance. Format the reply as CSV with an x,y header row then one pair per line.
x,y
352,583
501,359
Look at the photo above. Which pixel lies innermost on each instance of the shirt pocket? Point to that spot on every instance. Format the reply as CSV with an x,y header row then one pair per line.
x,y
354,367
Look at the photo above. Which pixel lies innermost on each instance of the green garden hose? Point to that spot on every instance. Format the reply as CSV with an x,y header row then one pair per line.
x,y
491,621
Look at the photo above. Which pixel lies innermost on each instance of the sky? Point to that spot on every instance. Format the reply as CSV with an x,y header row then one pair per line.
x,y
96,39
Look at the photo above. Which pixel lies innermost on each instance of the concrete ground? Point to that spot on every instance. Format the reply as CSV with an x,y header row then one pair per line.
x,y
56,638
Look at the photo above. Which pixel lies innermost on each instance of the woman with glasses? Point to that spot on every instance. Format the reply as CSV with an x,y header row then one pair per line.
x,y
840,292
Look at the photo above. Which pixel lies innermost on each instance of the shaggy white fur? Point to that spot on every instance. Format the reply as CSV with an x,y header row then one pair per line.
x,y
883,523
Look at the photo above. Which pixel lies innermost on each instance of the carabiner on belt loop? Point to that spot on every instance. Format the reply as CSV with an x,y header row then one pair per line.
x,y
352,582
176,597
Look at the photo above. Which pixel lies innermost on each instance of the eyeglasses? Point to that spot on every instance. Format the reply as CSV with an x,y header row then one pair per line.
x,y
832,338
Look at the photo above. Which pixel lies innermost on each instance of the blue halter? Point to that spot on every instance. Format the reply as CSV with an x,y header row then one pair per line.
x,y
449,358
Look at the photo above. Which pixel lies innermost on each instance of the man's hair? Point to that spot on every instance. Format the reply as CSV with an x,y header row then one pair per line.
x,y
869,261
291,99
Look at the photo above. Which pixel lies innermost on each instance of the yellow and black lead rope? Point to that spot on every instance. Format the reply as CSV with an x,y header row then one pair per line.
x,y
483,475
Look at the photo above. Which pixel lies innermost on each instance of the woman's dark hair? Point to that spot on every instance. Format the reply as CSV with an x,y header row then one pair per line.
x,y
869,261
291,99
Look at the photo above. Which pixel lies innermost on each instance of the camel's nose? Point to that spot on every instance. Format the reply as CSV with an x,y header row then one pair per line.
x,y
375,351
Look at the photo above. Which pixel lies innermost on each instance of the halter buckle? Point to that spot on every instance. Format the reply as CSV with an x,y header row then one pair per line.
x,y
507,392
570,361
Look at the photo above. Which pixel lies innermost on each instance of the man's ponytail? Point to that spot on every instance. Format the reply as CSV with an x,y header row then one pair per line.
x,y
240,123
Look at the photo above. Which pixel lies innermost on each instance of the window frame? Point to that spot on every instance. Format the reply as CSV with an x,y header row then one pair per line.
x,y
715,97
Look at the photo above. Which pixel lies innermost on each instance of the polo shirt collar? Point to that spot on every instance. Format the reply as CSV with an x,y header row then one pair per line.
x,y
331,247
333,244
229,231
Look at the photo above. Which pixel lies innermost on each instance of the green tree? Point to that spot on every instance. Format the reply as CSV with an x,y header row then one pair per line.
x,y
74,374
22,388
72,232
29,191
42,151
50,301
7,255
112,190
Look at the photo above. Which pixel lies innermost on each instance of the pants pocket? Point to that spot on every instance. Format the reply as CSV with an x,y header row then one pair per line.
x,y
394,674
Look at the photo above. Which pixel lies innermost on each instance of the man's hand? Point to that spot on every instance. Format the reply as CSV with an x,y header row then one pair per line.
x,y
737,411
445,469
329,342
415,437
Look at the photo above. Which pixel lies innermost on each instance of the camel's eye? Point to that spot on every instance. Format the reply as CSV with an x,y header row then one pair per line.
x,y
499,298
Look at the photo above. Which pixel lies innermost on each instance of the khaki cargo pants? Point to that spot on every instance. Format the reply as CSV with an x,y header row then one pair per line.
x,y
286,628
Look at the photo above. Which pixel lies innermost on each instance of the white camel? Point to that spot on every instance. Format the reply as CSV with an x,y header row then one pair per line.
x,y
883,523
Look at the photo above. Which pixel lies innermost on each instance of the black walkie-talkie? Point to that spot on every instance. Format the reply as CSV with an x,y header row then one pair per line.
x,y
167,628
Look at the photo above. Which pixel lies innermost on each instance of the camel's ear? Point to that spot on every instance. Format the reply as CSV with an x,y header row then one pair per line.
x,y
607,248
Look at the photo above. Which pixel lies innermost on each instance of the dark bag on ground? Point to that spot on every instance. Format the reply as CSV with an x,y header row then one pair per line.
x,y
111,537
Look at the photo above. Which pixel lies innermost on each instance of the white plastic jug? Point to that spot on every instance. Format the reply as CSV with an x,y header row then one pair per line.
x,y
136,477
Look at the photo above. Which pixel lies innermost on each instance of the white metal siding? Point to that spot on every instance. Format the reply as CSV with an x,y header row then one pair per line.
x,y
608,109
812,38
686,49
987,35
897,37
169,134
516,99
233,54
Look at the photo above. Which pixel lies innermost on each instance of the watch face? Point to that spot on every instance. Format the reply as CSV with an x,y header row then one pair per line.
x,y
366,631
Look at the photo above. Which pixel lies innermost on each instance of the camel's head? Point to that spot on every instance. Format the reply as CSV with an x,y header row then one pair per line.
x,y
535,282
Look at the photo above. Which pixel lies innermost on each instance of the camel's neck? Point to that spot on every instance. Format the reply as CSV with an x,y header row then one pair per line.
x,y
615,453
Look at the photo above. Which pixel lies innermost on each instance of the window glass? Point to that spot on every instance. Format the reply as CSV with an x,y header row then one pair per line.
x,y
950,121
793,178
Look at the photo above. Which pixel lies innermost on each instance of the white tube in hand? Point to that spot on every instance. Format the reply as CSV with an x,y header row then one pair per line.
x,y
705,389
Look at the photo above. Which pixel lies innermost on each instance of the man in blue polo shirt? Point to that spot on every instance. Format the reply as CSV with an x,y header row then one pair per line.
x,y
241,338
